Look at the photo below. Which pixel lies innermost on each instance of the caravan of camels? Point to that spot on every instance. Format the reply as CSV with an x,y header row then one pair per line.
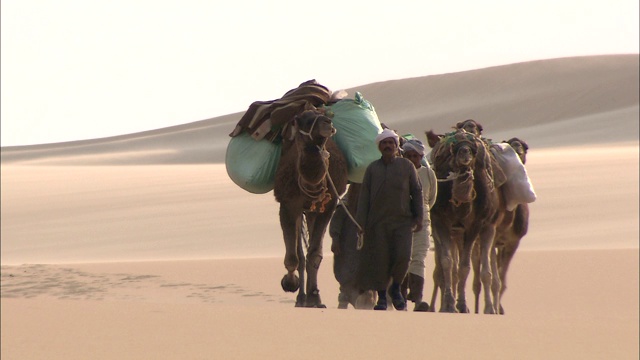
x,y
478,220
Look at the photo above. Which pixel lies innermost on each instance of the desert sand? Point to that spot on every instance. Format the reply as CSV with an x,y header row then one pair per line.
x,y
141,247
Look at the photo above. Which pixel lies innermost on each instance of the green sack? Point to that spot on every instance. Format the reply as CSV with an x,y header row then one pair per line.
x,y
252,164
357,126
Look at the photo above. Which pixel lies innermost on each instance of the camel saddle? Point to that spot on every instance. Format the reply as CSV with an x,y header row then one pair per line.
x,y
271,120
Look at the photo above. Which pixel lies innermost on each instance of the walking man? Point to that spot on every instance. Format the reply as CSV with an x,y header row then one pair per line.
x,y
414,151
390,207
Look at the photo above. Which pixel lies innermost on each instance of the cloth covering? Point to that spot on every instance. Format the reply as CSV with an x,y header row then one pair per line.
x,y
357,126
517,188
387,133
415,145
271,119
252,164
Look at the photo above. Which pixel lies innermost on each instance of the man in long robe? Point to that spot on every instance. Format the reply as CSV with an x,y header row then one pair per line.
x,y
390,207
414,282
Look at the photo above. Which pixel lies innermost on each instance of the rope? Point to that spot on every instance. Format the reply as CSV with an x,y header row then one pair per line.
x,y
360,242
452,176
318,194
304,233
310,130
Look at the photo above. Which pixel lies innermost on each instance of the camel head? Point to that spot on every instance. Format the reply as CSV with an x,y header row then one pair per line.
x,y
466,156
314,124
470,126
464,147
520,147
313,127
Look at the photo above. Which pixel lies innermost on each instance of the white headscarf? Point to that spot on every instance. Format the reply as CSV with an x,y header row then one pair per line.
x,y
415,145
387,133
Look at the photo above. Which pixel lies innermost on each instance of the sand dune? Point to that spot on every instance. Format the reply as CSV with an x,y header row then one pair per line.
x,y
140,246
543,102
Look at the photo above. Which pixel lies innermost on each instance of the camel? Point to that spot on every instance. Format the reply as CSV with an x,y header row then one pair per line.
x,y
473,127
468,125
468,204
311,176
509,233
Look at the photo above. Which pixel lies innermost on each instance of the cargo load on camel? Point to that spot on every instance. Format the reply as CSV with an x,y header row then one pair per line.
x,y
255,148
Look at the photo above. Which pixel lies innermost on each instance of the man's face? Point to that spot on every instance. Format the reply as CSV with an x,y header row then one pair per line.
x,y
388,146
414,156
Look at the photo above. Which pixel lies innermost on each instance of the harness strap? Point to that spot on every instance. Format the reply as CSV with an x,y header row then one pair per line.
x,y
360,242
310,130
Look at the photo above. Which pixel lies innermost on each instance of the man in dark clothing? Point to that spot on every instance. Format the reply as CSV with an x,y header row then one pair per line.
x,y
344,238
390,206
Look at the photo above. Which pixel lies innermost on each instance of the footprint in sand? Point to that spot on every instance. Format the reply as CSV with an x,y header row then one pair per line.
x,y
28,281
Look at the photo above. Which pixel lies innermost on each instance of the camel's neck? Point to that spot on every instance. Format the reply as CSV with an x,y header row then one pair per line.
x,y
463,190
313,164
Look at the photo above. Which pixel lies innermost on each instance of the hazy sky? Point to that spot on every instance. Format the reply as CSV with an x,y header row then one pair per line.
x,y
78,69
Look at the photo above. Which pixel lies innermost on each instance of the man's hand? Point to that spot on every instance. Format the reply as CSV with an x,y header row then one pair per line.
x,y
417,225
360,242
335,247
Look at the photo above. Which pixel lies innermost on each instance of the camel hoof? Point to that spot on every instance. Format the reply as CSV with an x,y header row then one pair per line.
x,y
489,311
313,301
290,283
422,306
300,300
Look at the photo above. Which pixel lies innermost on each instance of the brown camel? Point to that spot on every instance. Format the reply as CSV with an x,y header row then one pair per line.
x,y
467,203
311,175
468,125
509,233
476,128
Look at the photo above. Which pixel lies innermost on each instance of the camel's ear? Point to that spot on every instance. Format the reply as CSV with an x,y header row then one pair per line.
x,y
293,128
432,138
482,157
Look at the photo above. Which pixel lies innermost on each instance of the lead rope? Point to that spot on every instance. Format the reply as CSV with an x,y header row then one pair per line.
x,y
360,242
452,176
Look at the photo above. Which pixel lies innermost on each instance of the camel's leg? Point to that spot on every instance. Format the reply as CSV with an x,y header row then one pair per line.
x,y
475,263
290,224
486,245
302,296
317,224
496,283
464,267
455,260
504,260
511,241
443,252
437,282
458,239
